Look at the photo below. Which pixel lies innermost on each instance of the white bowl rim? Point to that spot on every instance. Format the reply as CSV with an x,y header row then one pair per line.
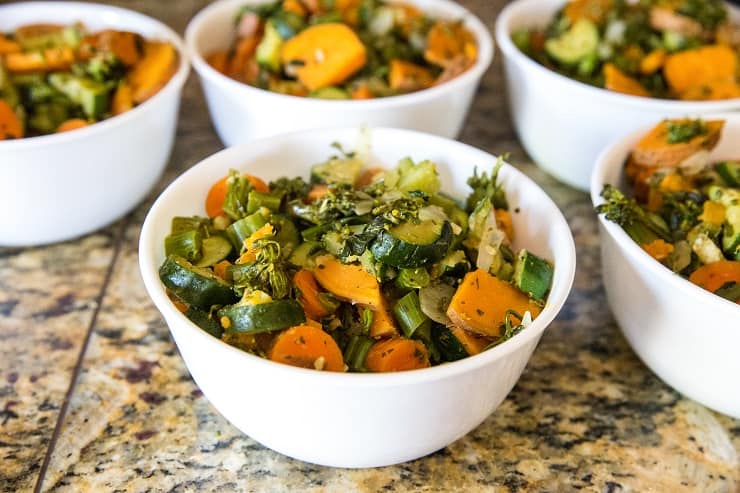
x,y
485,57
556,298
612,156
176,82
509,49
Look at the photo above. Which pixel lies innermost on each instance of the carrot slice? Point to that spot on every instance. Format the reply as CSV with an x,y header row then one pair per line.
x,y
72,124
383,325
10,125
217,194
307,347
399,354
308,296
40,61
348,281
715,275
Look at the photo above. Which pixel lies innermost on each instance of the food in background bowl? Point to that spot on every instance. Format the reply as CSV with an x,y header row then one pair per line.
x,y
344,50
686,334
62,185
684,49
242,112
564,124
56,78
417,405
362,271
686,209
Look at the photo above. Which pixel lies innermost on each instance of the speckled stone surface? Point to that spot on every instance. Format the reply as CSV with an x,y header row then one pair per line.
x,y
586,414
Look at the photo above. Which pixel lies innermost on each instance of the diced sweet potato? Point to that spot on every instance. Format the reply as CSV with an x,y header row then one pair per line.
x,y
699,67
244,53
447,41
654,150
482,300
717,89
122,44
617,81
327,54
153,71
406,76
473,343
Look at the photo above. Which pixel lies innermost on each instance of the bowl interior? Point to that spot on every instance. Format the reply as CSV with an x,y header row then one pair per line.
x,y
609,169
539,225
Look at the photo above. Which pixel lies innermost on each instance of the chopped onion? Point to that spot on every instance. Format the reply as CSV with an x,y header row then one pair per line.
x,y
490,241
434,300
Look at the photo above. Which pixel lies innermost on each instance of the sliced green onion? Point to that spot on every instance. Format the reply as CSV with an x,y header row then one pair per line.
x,y
356,352
243,229
263,199
408,313
186,245
182,224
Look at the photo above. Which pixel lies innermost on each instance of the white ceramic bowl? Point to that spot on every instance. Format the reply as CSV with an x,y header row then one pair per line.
x,y
562,123
688,336
60,186
355,420
241,112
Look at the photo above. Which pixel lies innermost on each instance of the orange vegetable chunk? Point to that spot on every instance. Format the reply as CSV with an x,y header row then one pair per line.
x,y
699,66
308,295
655,150
481,301
72,124
153,71
10,125
329,54
715,275
617,81
307,347
398,354
348,281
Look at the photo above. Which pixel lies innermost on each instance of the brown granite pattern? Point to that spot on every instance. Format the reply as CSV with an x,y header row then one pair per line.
x,y
586,414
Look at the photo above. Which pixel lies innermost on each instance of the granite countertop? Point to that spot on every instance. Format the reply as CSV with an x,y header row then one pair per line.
x,y
94,396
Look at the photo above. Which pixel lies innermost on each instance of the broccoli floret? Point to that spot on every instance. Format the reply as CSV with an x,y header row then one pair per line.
x,y
291,188
642,225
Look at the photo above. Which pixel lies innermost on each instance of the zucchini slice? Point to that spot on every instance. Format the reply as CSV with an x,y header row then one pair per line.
x,y
410,245
303,253
204,321
264,317
532,274
449,346
214,249
195,285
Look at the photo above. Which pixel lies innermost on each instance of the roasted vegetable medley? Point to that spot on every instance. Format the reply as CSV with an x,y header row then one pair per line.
x,y
357,270
55,78
344,49
686,209
680,49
